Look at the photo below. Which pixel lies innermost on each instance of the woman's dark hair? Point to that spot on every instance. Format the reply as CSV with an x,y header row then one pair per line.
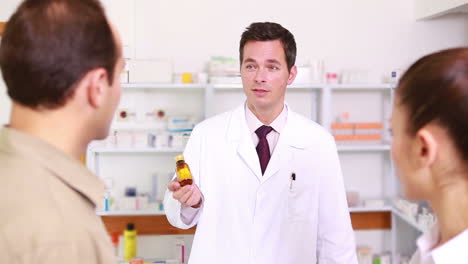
x,y
435,89
49,45
267,31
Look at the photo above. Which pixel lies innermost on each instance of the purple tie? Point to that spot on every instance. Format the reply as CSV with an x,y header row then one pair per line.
x,y
263,150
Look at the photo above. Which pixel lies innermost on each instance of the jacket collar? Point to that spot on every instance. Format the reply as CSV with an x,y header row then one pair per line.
x,y
70,171
292,133
292,137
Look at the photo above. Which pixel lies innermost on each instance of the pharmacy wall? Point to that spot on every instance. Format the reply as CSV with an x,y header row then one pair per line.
x,y
373,37
370,35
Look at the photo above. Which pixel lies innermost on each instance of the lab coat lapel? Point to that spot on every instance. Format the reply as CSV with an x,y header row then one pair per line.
x,y
238,133
290,140
249,156
281,157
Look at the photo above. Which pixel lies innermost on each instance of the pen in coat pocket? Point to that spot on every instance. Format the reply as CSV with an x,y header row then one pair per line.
x,y
293,178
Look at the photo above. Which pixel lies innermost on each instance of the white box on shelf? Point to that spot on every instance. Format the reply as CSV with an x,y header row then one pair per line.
x,y
364,255
374,203
124,139
353,198
303,75
178,140
180,123
225,79
127,52
150,71
161,140
141,202
124,77
140,139
127,203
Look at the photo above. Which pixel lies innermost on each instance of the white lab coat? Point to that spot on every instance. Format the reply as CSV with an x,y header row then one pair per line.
x,y
255,219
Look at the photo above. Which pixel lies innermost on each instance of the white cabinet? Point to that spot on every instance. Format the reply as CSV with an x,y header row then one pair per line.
x,y
132,162
320,102
426,9
367,166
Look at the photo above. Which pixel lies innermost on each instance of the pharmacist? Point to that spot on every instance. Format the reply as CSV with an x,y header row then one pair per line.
x,y
267,182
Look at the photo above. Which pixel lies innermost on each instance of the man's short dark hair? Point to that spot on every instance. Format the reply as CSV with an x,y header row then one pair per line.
x,y
48,47
265,31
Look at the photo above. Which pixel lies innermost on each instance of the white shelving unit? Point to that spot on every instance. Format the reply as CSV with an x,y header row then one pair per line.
x,y
319,99
408,220
362,87
135,126
134,150
363,148
427,9
130,212
361,209
162,86
292,87
351,210
158,212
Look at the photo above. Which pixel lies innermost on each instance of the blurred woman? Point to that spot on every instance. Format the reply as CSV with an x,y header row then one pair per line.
x,y
430,150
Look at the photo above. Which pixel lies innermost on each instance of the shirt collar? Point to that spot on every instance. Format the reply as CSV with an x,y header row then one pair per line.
x,y
278,124
62,166
452,251
428,240
455,247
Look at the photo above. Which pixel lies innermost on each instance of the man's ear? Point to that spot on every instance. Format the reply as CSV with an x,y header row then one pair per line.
x,y
426,147
97,85
292,74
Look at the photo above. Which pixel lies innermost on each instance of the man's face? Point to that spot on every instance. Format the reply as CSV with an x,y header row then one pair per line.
x,y
265,75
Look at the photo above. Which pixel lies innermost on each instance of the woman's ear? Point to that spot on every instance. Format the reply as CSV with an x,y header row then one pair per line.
x,y
426,147
97,86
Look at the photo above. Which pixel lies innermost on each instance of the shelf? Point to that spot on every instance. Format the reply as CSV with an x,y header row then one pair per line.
x,y
408,220
194,86
306,86
157,224
130,212
361,209
157,212
133,126
145,224
427,9
363,148
133,150
362,219
235,86
238,86
363,87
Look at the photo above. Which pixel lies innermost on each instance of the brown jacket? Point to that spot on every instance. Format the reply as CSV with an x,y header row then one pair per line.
x,y
47,205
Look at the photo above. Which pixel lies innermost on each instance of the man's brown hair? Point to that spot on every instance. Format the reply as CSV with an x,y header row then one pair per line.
x,y
48,47
268,31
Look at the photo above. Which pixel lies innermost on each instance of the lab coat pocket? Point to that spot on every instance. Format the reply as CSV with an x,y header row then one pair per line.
x,y
296,207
